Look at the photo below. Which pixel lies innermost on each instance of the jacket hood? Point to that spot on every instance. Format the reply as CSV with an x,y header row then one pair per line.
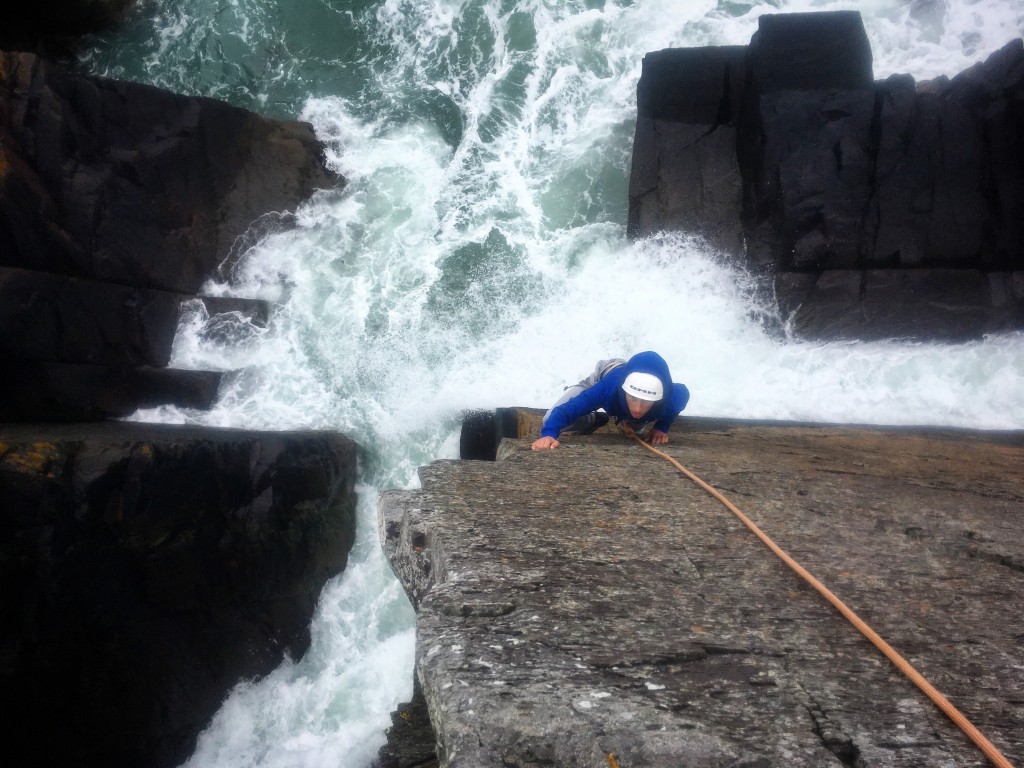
x,y
647,362
650,362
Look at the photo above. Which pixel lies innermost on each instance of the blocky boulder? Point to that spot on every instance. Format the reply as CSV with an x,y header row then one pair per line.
x,y
788,157
146,569
117,202
131,184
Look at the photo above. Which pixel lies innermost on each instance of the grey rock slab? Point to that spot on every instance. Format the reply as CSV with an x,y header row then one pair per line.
x,y
591,601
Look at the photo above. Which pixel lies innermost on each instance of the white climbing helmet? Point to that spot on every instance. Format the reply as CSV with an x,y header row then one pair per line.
x,y
644,386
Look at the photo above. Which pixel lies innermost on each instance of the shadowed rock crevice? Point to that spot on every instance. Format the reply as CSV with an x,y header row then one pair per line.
x,y
838,743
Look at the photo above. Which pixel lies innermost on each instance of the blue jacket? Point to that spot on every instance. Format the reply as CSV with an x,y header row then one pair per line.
x,y
608,394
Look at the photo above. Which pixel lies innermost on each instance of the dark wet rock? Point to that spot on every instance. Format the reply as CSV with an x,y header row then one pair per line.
x,y
810,52
56,28
130,184
788,157
483,431
55,318
146,569
687,108
86,350
892,303
59,319
69,392
591,601
117,203
410,739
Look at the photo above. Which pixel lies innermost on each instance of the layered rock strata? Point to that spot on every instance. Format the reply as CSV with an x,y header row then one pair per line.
x,y
146,569
117,202
134,185
589,603
878,209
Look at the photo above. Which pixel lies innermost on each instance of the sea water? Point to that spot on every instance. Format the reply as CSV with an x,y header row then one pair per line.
x,y
477,258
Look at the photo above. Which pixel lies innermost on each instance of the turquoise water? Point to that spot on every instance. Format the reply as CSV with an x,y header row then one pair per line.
x,y
477,258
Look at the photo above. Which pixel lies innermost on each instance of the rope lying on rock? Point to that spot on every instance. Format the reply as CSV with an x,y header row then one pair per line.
x,y
904,666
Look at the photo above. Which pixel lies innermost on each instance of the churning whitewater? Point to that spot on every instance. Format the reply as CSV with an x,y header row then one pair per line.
x,y
477,258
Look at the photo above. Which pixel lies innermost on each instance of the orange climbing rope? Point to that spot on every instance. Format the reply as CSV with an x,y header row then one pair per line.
x,y
904,666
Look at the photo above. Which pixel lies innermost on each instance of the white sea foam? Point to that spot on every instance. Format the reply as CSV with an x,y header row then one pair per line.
x,y
476,258
326,709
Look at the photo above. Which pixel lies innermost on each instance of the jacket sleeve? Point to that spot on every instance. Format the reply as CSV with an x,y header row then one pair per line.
x,y
675,405
562,416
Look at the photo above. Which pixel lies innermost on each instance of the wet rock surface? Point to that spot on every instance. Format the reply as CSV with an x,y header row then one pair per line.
x,y
131,184
410,737
888,209
118,201
56,28
146,569
591,601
